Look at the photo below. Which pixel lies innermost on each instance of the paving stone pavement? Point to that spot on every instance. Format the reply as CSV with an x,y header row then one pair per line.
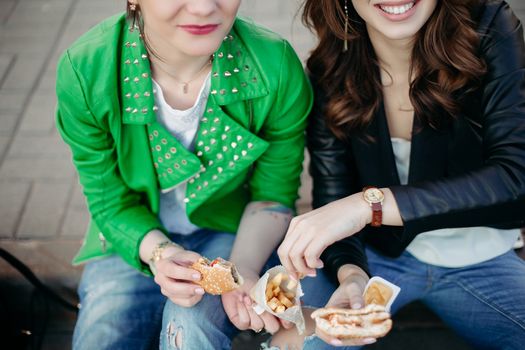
x,y
42,212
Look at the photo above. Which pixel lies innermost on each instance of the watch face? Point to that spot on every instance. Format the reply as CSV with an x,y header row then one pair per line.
x,y
373,195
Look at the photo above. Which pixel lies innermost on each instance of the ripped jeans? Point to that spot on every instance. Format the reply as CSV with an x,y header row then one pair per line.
x,y
121,307
206,325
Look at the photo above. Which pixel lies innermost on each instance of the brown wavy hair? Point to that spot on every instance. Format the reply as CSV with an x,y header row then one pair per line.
x,y
444,63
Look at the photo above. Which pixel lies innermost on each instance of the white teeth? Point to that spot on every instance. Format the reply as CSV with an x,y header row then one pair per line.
x,y
397,10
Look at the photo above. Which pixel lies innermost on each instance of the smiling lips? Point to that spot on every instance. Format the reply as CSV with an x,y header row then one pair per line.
x,y
397,11
199,29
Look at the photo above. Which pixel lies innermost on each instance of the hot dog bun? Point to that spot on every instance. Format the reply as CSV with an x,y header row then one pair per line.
x,y
372,321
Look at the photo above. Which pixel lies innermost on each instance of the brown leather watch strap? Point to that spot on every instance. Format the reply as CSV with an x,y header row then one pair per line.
x,y
377,215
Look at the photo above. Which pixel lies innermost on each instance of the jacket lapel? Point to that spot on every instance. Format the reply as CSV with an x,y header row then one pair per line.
x,y
376,157
136,92
223,147
428,158
235,75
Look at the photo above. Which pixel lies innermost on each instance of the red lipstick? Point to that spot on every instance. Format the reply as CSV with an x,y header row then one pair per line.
x,y
195,29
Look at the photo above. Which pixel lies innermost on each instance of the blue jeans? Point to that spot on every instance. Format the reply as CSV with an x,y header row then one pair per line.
x,y
484,303
206,325
123,309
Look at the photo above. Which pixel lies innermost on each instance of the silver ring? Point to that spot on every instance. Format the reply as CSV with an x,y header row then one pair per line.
x,y
258,330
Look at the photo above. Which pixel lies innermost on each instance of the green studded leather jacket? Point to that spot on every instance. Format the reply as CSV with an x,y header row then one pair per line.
x,y
249,146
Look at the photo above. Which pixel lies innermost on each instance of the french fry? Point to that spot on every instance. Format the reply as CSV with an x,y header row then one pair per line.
x,y
277,298
280,309
274,303
269,293
277,279
289,295
285,301
291,285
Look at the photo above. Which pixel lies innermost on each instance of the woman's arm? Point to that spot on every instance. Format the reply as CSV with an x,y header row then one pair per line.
x,y
491,195
119,212
274,186
262,227
334,175
495,193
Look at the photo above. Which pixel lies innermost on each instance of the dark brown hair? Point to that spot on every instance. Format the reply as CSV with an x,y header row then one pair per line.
x,y
444,61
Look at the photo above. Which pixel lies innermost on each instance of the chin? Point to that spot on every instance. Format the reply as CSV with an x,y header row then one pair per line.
x,y
201,50
401,35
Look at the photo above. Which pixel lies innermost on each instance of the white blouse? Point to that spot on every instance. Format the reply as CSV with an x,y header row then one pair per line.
x,y
452,247
183,125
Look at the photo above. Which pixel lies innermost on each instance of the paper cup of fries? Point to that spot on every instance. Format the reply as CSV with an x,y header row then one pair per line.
x,y
278,294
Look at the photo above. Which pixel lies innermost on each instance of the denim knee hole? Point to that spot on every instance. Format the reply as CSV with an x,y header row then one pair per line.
x,y
174,336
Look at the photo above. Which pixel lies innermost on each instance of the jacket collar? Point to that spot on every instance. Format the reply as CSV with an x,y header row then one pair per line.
x,y
235,76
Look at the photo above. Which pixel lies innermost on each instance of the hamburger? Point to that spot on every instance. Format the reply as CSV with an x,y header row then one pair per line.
x,y
218,276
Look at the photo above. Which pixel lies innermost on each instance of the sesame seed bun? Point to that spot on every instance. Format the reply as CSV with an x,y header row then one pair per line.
x,y
218,276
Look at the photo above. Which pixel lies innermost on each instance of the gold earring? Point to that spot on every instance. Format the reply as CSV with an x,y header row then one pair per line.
x,y
345,44
132,7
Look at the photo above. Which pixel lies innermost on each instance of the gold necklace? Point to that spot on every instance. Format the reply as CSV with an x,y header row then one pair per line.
x,y
185,84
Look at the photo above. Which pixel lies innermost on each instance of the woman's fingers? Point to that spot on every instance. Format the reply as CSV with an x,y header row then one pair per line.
x,y
302,250
339,342
243,316
173,289
355,296
347,295
184,257
285,324
271,323
171,270
291,251
256,323
286,246
312,253
302,247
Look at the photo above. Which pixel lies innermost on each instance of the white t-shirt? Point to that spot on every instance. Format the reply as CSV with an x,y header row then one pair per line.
x,y
452,247
183,125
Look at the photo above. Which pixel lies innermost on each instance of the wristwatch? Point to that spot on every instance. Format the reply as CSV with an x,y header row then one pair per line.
x,y
374,197
156,255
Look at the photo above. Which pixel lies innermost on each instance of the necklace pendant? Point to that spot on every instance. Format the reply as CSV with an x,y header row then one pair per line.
x,y
185,88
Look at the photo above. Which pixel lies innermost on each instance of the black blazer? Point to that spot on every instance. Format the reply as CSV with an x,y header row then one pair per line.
x,y
469,174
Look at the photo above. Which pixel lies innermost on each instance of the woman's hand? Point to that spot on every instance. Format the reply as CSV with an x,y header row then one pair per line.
x,y
177,280
349,295
238,307
309,234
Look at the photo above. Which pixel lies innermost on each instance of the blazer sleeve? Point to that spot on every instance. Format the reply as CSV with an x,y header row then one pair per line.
x,y
119,212
333,174
495,193
276,175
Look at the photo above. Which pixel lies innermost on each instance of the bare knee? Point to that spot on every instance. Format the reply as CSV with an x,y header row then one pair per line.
x,y
288,339
174,335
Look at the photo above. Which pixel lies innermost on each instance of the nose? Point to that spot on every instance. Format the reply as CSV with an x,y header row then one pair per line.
x,y
202,7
